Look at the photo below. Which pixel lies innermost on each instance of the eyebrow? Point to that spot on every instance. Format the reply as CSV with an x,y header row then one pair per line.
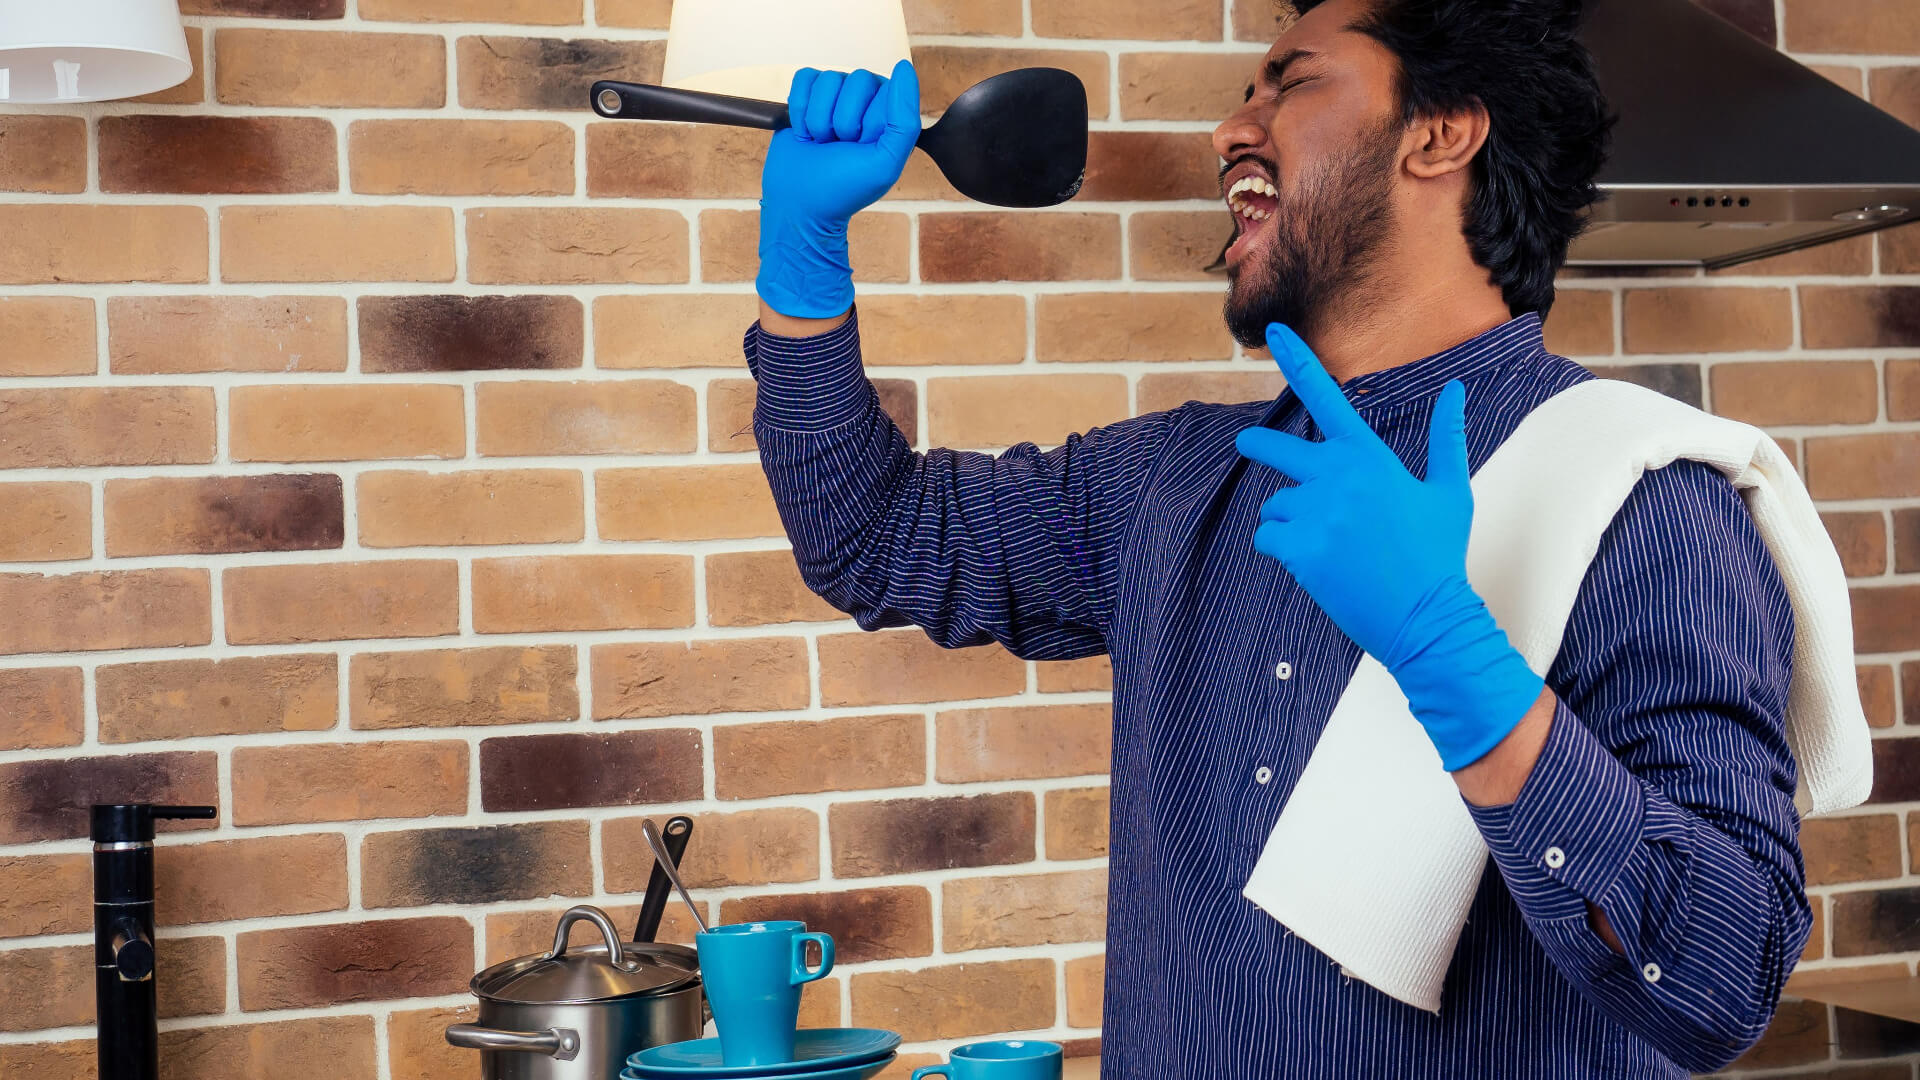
x,y
1275,71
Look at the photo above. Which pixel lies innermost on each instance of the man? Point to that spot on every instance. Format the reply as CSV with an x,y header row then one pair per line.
x,y
1405,178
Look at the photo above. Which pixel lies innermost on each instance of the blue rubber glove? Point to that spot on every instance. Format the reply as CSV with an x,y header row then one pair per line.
x,y
850,139
1385,556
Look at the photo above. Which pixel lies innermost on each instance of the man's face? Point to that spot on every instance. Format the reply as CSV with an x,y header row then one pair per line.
x,y
1311,161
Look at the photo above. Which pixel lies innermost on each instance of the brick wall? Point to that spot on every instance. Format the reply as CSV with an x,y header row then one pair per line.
x,y
378,467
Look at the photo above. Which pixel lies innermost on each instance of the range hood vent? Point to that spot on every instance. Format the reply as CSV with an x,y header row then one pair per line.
x,y
1727,151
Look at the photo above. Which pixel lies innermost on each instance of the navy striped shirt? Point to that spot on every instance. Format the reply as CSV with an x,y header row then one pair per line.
x,y
1666,782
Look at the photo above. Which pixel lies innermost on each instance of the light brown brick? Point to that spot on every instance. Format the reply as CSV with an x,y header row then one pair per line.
x,y
1880,27
685,502
1131,326
796,757
460,157
1022,743
1876,683
1086,990
45,894
1895,90
47,335
279,785
947,71
1860,316
1906,541
1007,246
1169,20
195,983
1023,910
1000,18
1798,392
752,588
1158,393
250,878
210,515
531,860
218,155
673,161
1077,823
1581,323
1797,1034
957,1001
480,506
731,402
61,978
1838,258
902,666
1176,245
346,422
286,1048
671,330
645,14
582,592
750,847
1687,320
43,707
122,425
1816,947
1861,539
1261,20
316,966
64,242
127,609
45,154
167,335
338,601
544,12
1862,847
1185,85
1000,410
503,72
336,243
576,246
244,695
463,687
729,246
904,836
45,521
942,329
695,678
1864,466
1135,166
1064,676
193,90
417,1047
631,416
866,924
346,70
518,933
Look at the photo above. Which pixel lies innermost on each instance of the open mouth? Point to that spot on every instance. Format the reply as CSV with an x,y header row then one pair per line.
x,y
1253,200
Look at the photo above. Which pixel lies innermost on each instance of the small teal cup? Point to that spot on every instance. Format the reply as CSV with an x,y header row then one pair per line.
x,y
753,974
1017,1059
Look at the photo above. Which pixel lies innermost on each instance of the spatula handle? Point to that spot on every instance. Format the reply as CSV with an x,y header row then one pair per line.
x,y
640,101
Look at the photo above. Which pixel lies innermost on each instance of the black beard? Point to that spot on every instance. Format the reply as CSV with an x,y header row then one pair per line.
x,y
1328,231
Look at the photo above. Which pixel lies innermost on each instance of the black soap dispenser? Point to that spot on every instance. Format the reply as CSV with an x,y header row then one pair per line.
x,y
123,983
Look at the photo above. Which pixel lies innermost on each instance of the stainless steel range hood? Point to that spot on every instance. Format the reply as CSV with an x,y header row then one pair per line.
x,y
1728,151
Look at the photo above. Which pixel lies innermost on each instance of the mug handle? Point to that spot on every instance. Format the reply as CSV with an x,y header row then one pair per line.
x,y
800,972
933,1070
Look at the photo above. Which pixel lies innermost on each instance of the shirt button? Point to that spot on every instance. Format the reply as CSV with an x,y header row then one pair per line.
x,y
1555,858
1651,973
1262,775
1283,672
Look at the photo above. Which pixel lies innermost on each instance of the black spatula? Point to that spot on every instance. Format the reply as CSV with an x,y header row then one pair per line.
x,y
1017,139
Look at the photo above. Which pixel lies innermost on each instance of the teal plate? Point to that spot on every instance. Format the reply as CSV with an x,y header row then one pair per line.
x,y
815,1052
851,1072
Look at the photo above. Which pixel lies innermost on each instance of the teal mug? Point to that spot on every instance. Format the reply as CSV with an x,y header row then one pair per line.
x,y
1020,1059
753,974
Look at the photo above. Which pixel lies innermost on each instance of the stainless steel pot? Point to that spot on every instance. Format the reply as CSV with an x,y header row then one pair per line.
x,y
575,1014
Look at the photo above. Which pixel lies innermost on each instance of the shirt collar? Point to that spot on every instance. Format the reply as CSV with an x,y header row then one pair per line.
x,y
1518,338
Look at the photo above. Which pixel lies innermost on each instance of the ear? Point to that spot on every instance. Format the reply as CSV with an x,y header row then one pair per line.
x,y
1446,142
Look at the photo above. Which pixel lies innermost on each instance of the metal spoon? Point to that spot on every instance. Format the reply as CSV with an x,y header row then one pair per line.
x,y
665,862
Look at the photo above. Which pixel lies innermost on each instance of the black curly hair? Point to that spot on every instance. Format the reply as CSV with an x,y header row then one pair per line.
x,y
1534,179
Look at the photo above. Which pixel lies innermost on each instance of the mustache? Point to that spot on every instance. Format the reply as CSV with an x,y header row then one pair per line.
x,y
1231,164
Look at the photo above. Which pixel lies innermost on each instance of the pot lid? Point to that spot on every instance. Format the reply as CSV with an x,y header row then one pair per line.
x,y
592,973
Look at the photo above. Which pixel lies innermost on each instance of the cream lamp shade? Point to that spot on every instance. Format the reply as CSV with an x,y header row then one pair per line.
x,y
751,48
57,51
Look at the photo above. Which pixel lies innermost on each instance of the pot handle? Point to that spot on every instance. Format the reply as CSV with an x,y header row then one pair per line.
x,y
599,919
561,1044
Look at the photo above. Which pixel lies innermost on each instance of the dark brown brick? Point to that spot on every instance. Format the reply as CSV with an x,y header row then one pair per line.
x,y
288,1048
1753,16
1906,540
250,878
470,333
1886,620
1680,382
1861,847
195,983
556,772
1896,770
270,9
1875,682
1910,693
43,707
463,687
314,966
1797,1036
1151,166
947,71
548,73
866,924
1860,316
1876,921
475,865
45,894
176,699
218,155
900,836
1866,1035
1861,539
48,800
214,515
793,757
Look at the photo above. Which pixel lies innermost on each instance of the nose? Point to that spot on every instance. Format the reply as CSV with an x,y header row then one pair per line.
x,y
1240,133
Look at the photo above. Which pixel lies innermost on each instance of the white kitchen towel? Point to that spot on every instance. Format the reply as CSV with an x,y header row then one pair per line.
x,y
1375,859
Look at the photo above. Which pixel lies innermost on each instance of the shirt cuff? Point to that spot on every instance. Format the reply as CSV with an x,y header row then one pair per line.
x,y
811,383
1577,822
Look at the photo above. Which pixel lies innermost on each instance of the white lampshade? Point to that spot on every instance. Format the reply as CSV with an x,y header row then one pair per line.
x,y
751,48
57,51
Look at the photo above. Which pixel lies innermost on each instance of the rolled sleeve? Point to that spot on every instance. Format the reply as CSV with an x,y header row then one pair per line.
x,y
812,383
